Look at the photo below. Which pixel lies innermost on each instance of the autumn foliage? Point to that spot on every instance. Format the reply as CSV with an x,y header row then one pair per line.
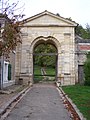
x,y
10,31
10,38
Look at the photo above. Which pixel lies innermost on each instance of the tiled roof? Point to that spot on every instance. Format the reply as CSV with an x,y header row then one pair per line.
x,y
78,39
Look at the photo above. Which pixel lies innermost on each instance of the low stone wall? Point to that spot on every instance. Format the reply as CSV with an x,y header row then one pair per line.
x,y
24,79
11,82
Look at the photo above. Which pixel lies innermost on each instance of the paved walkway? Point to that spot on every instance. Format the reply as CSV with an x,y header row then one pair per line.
x,y
8,93
42,102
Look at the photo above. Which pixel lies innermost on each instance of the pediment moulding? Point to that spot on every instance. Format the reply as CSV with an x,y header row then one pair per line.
x,y
47,19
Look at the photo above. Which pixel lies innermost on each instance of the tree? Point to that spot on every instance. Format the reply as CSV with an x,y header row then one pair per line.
x,y
83,32
45,60
10,31
87,70
88,31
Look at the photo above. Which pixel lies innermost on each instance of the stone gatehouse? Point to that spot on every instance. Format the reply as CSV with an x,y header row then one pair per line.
x,y
50,28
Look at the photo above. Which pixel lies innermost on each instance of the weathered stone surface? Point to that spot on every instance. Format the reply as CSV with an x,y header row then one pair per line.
x,y
47,27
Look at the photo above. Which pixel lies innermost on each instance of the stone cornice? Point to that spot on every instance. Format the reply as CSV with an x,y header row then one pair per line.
x,y
46,26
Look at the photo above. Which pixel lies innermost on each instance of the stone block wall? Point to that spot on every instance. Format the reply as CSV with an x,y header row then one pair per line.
x,y
58,32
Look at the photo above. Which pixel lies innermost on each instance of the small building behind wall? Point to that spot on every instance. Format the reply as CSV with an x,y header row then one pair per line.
x,y
6,72
9,70
82,48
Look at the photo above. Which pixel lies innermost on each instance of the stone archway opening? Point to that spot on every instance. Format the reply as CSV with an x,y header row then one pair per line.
x,y
45,56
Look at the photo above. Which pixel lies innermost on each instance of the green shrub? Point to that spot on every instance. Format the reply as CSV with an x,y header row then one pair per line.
x,y
87,70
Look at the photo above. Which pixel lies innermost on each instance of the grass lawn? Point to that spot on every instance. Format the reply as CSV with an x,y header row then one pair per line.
x,y
37,74
37,70
50,71
80,95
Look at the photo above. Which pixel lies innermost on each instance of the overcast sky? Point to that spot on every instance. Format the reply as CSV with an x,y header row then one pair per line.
x,y
78,10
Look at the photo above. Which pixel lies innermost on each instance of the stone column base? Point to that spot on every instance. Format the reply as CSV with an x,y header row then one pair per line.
x,y
26,79
66,80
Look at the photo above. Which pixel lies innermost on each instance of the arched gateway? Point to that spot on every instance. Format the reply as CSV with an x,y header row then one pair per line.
x,y
53,29
45,59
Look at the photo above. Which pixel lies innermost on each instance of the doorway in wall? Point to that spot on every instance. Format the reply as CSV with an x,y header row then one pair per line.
x,y
81,74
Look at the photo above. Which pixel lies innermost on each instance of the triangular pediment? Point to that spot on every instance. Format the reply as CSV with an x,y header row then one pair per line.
x,y
47,19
